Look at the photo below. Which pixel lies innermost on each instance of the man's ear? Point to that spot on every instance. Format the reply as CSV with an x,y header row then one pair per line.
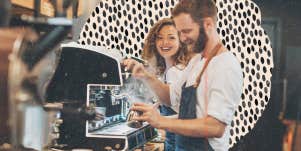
x,y
208,24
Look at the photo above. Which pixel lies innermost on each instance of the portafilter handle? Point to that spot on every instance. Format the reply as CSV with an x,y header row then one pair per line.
x,y
133,123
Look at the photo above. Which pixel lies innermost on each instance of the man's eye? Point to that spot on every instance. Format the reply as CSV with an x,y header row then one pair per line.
x,y
186,31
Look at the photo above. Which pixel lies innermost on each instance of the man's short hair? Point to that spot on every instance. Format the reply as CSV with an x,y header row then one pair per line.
x,y
198,9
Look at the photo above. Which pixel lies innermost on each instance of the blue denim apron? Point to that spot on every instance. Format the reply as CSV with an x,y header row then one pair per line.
x,y
169,144
188,111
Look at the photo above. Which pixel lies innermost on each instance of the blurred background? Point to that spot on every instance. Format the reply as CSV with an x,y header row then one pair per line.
x,y
281,21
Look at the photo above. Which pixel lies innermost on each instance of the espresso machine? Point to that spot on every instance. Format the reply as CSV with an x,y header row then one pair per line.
x,y
71,96
76,98
95,95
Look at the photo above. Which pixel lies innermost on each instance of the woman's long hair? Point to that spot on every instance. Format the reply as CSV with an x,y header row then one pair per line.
x,y
150,51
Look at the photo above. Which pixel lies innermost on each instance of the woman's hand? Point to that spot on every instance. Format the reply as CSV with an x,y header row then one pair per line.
x,y
137,69
149,114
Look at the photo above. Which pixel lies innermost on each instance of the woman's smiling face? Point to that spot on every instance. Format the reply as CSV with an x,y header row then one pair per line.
x,y
167,41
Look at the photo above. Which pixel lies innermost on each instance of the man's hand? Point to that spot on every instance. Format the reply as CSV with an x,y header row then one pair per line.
x,y
199,127
149,114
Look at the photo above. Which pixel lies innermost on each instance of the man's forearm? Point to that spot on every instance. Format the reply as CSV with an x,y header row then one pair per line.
x,y
203,127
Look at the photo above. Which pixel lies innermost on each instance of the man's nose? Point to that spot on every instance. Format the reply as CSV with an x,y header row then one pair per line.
x,y
183,37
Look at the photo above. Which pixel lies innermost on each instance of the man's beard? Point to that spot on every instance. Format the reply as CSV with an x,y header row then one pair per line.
x,y
189,42
201,41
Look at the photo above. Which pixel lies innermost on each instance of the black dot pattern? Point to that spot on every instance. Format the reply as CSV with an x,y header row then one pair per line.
x,y
124,24
239,25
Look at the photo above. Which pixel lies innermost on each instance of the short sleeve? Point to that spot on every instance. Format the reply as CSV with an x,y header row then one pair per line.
x,y
175,96
224,93
173,76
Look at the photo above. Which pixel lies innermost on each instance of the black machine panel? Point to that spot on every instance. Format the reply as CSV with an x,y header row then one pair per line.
x,y
78,67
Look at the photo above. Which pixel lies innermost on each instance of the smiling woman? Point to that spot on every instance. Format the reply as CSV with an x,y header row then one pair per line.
x,y
164,51
163,47
167,42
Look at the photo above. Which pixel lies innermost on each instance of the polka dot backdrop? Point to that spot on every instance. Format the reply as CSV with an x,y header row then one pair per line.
x,y
239,25
124,24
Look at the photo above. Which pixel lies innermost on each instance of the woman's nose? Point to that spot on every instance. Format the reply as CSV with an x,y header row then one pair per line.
x,y
164,42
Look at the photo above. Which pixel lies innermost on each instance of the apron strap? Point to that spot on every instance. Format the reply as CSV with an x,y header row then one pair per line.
x,y
211,54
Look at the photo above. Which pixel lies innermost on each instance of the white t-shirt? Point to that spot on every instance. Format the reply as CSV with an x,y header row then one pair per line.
x,y
172,76
223,79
